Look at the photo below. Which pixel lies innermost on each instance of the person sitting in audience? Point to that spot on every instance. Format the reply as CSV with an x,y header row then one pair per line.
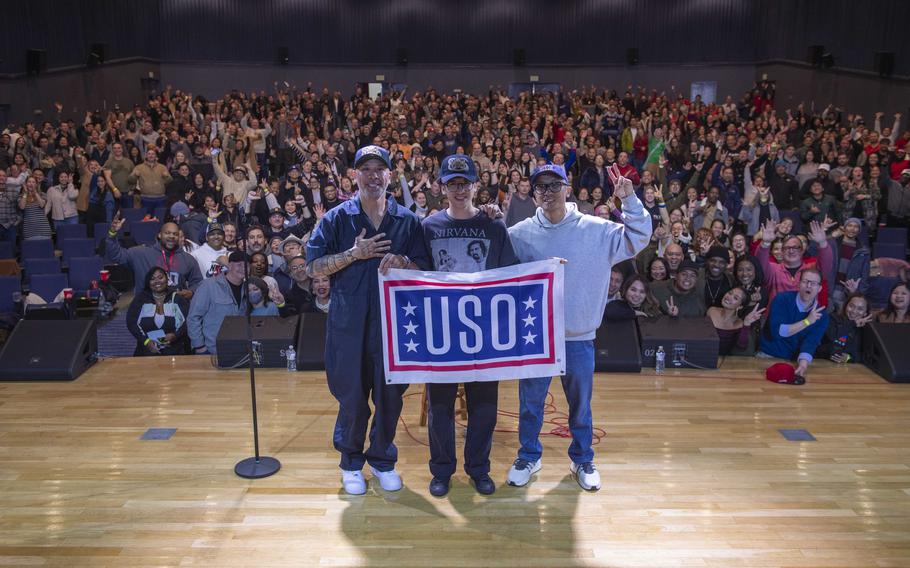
x,y
260,296
716,281
637,301
320,287
674,255
658,269
290,247
853,262
679,297
735,333
259,267
785,276
212,255
747,275
842,342
215,299
183,270
615,288
151,179
298,300
157,317
898,303
796,323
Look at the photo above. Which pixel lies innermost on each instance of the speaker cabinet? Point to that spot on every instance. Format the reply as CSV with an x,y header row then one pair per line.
x,y
616,348
271,337
49,350
883,63
311,342
519,57
96,54
885,351
284,55
401,57
814,55
687,342
632,56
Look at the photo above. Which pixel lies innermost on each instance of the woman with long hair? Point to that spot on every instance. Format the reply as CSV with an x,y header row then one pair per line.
x,y
157,317
32,203
898,304
843,337
734,331
636,301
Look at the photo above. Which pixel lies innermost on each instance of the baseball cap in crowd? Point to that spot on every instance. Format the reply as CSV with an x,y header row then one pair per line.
x,y
825,167
457,165
687,264
905,172
215,227
784,374
238,256
780,163
290,239
372,152
558,171
179,209
277,211
294,168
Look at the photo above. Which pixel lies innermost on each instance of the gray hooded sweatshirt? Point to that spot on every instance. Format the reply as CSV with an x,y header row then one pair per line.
x,y
592,246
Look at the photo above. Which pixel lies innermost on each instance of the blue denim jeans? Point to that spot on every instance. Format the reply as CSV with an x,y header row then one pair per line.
x,y
74,220
152,203
10,234
577,384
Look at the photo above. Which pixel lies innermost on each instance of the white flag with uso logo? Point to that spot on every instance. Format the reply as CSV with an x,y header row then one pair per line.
x,y
452,327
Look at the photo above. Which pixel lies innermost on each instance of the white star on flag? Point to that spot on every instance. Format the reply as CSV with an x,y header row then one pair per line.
x,y
529,338
411,327
529,320
411,346
529,303
409,309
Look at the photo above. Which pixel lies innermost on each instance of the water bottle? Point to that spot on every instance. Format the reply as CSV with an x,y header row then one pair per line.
x,y
292,358
659,360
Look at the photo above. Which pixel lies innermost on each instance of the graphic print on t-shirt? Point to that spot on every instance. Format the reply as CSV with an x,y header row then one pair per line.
x,y
460,254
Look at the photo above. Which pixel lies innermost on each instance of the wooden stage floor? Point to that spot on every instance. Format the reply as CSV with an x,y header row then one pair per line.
x,y
695,473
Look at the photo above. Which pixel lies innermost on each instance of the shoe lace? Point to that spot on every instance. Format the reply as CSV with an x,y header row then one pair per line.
x,y
587,467
521,464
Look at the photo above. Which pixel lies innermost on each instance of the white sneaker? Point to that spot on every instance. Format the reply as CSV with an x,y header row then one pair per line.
x,y
521,471
586,475
353,482
388,480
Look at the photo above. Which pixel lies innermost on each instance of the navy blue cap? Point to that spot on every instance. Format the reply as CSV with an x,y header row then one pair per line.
x,y
457,165
372,152
558,171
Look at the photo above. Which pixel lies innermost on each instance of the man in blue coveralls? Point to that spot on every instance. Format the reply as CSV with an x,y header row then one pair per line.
x,y
366,234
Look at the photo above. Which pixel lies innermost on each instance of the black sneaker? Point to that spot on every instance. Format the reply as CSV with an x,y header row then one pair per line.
x,y
483,484
439,487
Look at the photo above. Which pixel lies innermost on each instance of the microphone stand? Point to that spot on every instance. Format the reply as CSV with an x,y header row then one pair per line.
x,y
257,466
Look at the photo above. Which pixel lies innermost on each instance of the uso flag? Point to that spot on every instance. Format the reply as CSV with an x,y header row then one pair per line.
x,y
445,327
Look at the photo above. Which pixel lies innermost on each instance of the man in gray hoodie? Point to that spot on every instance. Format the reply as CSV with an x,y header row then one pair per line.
x,y
591,246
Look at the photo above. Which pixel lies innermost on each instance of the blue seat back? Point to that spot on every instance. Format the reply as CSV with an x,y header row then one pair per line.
x,y
73,248
83,270
48,286
146,232
37,248
8,286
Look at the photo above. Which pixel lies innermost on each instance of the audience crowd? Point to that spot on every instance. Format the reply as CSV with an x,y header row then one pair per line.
x,y
764,218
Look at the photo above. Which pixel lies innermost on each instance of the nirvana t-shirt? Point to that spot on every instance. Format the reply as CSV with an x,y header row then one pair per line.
x,y
467,245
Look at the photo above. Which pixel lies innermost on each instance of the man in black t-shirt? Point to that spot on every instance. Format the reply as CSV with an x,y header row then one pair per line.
x,y
463,239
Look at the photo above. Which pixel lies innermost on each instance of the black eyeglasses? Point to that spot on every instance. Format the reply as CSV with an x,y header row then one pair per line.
x,y
554,187
458,186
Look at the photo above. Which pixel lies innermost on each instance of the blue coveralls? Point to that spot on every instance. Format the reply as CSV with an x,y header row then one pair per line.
x,y
353,344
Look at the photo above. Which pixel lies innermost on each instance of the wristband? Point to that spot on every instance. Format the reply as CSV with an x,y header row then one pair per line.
x,y
407,259
147,341
112,234
281,305
806,322
662,205
847,355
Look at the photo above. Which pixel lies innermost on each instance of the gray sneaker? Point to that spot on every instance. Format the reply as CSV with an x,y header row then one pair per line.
x,y
586,475
521,471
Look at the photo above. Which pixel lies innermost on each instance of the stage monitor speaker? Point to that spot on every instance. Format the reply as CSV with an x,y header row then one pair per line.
x,y
401,57
49,350
632,56
271,337
96,54
519,57
311,342
616,348
35,61
284,55
687,342
885,351
814,55
883,63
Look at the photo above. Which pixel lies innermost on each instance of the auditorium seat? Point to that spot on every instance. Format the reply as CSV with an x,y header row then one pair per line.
x,y
8,286
48,286
82,271
73,248
895,235
37,248
889,250
66,232
131,216
41,266
101,230
146,232
6,250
